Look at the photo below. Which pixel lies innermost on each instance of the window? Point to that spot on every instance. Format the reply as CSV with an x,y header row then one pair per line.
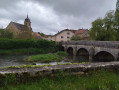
x,y
68,37
61,36
68,33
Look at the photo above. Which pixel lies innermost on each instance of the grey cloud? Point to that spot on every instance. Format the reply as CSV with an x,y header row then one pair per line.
x,y
78,7
51,16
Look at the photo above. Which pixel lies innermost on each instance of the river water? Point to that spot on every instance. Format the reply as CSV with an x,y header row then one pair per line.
x,y
6,61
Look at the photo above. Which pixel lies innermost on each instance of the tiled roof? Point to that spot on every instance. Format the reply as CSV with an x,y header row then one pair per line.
x,y
80,31
38,35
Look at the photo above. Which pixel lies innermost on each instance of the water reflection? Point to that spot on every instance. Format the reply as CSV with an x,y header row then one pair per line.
x,y
6,61
78,59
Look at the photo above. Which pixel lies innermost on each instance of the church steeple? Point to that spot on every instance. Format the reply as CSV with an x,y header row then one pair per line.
x,y
27,22
27,15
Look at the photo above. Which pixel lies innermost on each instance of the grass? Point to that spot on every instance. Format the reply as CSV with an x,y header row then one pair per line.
x,y
26,66
100,80
59,56
38,66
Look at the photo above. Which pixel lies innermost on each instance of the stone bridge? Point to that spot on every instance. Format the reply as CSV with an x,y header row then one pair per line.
x,y
95,50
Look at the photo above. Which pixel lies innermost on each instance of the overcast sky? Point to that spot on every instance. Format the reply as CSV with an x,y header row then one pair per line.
x,y
51,16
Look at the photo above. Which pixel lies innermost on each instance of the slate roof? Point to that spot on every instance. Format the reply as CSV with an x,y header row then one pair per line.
x,y
27,20
20,26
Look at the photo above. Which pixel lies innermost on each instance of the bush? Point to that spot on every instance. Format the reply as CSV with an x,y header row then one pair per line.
x,y
29,43
61,53
75,38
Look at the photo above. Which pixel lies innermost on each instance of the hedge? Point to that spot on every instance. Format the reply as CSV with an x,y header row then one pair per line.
x,y
29,43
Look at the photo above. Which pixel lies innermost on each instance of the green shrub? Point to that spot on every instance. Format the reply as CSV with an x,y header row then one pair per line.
x,y
61,53
29,43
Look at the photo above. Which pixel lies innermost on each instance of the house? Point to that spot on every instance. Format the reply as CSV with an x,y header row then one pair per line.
x,y
36,35
66,35
17,28
83,33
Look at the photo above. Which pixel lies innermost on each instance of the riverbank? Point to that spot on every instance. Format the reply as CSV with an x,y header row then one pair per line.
x,y
98,80
34,70
86,76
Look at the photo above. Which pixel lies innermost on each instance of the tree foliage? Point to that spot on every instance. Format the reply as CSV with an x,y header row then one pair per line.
x,y
6,34
105,29
75,38
29,43
117,24
42,34
25,33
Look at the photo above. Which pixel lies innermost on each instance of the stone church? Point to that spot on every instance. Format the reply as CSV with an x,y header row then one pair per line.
x,y
16,28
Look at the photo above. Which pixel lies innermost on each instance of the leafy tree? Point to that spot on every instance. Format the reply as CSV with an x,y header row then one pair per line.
x,y
76,38
104,29
6,34
97,30
25,33
117,24
109,26
42,34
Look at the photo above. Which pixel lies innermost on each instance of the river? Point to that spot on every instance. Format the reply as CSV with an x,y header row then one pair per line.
x,y
18,60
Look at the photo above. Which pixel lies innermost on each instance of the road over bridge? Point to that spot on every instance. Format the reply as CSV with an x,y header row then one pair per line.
x,y
96,50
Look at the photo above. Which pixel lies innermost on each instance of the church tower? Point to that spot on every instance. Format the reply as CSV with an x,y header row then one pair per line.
x,y
27,22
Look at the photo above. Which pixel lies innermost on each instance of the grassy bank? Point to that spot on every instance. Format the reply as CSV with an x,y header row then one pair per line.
x,y
52,57
100,80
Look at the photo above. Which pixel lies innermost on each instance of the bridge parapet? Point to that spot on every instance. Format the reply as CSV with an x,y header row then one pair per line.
x,y
106,44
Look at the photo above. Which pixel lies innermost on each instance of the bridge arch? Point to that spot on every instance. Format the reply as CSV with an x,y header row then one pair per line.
x,y
62,48
70,50
104,56
82,55
82,52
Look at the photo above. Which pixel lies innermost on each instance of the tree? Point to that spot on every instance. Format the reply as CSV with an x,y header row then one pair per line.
x,y
117,24
6,34
104,29
42,34
97,30
25,33
75,38
109,26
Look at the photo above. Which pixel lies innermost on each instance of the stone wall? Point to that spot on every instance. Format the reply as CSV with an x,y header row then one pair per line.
x,y
49,70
